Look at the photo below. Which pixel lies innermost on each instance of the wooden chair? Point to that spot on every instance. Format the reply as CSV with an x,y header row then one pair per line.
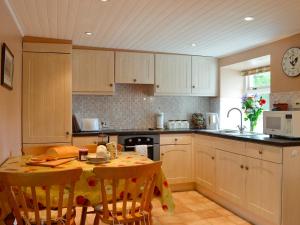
x,y
28,211
135,207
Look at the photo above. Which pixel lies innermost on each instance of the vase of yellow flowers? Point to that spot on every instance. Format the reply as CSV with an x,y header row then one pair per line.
x,y
253,108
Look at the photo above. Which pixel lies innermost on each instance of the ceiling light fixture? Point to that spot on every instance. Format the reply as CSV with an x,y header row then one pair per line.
x,y
88,33
194,44
249,18
104,0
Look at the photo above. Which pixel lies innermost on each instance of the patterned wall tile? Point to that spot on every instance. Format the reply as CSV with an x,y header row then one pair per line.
x,y
134,107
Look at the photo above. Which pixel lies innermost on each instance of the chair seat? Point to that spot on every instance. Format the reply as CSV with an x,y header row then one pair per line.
x,y
43,216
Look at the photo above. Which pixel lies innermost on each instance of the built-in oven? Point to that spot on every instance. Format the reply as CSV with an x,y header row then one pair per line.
x,y
151,141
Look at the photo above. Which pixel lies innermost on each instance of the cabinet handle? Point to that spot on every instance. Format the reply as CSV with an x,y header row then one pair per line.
x,y
157,86
134,80
111,85
95,142
193,86
247,168
176,139
212,157
162,154
260,152
67,133
242,166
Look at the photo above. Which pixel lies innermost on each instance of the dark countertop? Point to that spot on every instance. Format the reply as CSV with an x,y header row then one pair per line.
x,y
257,138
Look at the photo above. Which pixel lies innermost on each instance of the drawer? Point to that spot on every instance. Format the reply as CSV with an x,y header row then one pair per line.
x,y
271,153
175,139
204,140
228,145
264,152
88,140
253,150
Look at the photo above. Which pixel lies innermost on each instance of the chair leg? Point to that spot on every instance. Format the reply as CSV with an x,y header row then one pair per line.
x,y
83,215
97,219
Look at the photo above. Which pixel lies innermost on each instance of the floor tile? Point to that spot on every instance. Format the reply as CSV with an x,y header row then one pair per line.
x,y
191,208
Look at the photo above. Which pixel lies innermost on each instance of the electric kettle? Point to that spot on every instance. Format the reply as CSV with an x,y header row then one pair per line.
x,y
212,121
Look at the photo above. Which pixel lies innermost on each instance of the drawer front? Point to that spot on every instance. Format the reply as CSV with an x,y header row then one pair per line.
x,y
233,146
254,150
175,139
204,140
272,153
89,140
82,141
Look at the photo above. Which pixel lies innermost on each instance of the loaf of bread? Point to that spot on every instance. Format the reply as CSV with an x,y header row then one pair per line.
x,y
63,151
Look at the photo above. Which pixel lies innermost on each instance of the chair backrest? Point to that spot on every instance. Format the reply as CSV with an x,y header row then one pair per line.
x,y
139,182
16,183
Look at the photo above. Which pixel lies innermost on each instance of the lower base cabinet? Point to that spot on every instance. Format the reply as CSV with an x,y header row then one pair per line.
x,y
230,176
205,166
254,185
176,163
263,189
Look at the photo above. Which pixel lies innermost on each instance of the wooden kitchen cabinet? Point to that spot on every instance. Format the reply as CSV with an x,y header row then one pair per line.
x,y
134,68
230,176
93,72
204,76
205,166
263,188
173,74
47,97
176,163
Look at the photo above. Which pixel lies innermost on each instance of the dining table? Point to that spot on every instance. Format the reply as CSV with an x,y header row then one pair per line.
x,y
87,189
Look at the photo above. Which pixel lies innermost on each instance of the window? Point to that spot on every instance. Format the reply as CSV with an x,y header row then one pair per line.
x,y
259,83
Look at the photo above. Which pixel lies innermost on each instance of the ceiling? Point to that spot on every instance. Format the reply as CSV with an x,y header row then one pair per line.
x,y
251,64
216,27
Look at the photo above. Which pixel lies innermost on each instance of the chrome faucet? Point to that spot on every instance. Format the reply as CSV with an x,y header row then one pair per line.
x,y
241,127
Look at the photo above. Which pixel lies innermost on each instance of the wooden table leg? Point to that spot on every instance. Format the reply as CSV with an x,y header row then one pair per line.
x,y
83,215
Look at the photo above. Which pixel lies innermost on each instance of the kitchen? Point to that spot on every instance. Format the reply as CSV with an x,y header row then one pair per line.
x,y
104,63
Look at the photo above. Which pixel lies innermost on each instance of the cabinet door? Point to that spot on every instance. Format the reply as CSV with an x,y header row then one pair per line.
x,y
205,166
204,76
47,97
93,72
134,68
172,74
263,189
177,163
230,176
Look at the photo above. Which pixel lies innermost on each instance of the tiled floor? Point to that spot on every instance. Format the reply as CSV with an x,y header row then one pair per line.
x,y
191,209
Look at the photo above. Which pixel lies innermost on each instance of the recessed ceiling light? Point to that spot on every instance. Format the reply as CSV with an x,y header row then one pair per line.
x,y
194,44
88,33
249,18
104,0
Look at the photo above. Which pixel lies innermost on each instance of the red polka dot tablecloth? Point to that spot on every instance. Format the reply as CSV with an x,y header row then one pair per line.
x,y
87,190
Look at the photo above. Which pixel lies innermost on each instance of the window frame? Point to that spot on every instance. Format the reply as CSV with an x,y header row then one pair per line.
x,y
253,90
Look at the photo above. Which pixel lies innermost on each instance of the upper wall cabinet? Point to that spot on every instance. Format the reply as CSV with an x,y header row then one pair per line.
x,y
172,74
93,72
47,95
204,76
134,68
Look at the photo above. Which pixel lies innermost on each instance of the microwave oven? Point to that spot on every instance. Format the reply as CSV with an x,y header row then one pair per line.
x,y
282,123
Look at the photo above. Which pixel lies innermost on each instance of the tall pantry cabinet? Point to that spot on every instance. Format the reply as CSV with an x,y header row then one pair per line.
x,y
47,93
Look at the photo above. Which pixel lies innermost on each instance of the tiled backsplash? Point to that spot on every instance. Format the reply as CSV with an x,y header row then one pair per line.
x,y
134,107
285,97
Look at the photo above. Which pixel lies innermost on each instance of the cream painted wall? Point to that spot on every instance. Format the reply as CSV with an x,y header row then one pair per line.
x,y
279,81
10,100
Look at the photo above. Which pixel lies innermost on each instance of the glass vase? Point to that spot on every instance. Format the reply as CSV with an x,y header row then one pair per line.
x,y
252,125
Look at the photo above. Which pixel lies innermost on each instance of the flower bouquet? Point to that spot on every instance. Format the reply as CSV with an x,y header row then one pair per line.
x,y
253,107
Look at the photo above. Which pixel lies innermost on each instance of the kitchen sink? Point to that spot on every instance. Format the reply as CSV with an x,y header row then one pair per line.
x,y
236,132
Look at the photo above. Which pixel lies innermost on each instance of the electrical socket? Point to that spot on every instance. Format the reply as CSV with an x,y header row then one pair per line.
x,y
105,124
